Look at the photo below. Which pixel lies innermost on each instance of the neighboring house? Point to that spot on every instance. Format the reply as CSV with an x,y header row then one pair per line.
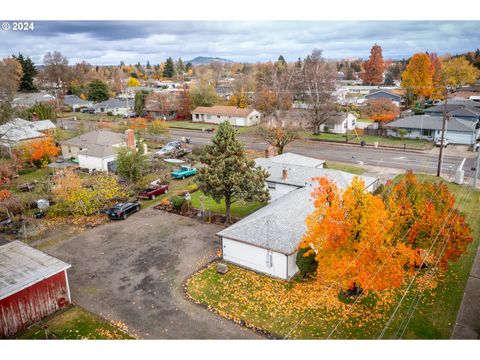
x,y
339,123
162,106
470,114
19,131
76,103
114,106
394,95
458,131
267,240
295,159
219,113
95,150
29,99
33,285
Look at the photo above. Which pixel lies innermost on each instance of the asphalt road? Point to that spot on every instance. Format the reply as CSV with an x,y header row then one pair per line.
x,y
417,161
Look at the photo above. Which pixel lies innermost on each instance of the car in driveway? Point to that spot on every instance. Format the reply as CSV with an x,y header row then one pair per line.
x,y
122,210
165,151
152,191
177,144
183,172
445,142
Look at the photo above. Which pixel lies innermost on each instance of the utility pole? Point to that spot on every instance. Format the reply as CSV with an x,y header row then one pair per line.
x,y
477,166
439,169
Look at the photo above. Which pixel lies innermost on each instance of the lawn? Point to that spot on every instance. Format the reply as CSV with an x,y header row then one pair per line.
x,y
185,124
239,208
75,323
344,167
304,309
371,139
87,117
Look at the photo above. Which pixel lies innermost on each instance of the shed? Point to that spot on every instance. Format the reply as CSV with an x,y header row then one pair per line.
x,y
33,285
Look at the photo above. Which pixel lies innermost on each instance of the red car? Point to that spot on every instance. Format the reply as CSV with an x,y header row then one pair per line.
x,y
153,191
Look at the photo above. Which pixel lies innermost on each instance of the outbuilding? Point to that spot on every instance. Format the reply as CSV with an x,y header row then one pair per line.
x,y
33,285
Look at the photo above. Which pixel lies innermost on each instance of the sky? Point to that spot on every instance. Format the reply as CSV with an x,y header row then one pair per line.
x,y
109,42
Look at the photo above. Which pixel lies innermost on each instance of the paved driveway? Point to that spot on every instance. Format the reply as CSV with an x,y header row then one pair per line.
x,y
132,271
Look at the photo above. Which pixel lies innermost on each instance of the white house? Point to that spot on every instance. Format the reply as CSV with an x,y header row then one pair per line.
x,y
458,131
339,123
29,99
114,106
220,113
267,240
96,150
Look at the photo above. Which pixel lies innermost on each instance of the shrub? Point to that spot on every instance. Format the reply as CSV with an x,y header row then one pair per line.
x,y
306,264
26,171
177,202
109,113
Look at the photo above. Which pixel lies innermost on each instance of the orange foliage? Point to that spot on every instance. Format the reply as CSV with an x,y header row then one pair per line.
x,y
138,124
38,150
381,110
418,76
374,67
4,194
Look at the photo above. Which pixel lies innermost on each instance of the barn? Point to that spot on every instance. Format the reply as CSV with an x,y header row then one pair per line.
x,y
33,285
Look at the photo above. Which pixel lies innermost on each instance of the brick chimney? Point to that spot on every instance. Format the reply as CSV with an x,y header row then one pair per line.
x,y
284,174
130,138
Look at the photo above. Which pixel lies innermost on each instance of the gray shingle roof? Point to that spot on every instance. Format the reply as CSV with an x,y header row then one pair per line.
x,y
280,225
99,143
20,129
75,100
432,123
466,112
295,159
31,98
112,104
21,266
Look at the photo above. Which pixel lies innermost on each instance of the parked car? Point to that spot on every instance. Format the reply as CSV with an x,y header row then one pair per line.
x,y
439,142
153,191
5,222
129,115
175,143
476,147
183,172
40,214
165,151
122,210
88,111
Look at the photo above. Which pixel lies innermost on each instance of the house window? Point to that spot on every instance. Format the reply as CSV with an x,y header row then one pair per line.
x,y
426,132
197,116
209,117
218,116
353,122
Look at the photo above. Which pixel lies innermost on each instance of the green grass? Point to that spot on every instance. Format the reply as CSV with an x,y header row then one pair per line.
x,y
75,323
87,117
238,209
275,305
186,124
371,139
344,167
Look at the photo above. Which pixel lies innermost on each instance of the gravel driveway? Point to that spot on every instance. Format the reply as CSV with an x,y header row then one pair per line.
x,y
132,271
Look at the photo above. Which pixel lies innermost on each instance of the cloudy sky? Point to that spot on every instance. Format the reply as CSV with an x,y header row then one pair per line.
x,y
109,42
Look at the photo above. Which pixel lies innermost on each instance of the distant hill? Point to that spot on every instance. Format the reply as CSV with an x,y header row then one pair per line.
x,y
205,60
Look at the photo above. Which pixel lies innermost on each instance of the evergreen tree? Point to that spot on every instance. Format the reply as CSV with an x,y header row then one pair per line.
x,y
281,60
98,91
29,73
180,67
188,66
229,174
131,164
148,65
139,103
169,69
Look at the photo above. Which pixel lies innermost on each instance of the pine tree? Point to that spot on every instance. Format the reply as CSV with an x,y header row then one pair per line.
x,y
148,65
281,60
169,70
97,91
29,73
180,67
139,103
229,174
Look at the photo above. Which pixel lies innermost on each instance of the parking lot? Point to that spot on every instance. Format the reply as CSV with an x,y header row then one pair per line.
x,y
131,271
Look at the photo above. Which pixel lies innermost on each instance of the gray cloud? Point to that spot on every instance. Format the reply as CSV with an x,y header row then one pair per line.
x,y
109,42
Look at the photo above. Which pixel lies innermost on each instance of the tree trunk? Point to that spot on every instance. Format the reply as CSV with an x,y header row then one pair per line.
x,y
227,208
280,149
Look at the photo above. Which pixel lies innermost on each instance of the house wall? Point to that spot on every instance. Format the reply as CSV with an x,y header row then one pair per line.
x,y
277,190
341,128
251,119
22,309
255,258
114,111
292,265
94,163
69,151
455,137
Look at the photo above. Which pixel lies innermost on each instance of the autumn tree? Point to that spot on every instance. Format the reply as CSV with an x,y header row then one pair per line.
x,y
459,72
418,76
438,76
184,104
204,94
158,127
10,76
349,233
132,82
37,152
317,84
278,133
381,110
97,91
229,174
29,72
131,163
374,67
424,215
56,68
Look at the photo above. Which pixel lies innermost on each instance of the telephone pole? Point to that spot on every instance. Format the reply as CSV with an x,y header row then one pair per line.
x,y
440,155
477,165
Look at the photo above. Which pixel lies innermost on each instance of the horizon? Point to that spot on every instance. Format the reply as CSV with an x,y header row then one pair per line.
x,y
107,43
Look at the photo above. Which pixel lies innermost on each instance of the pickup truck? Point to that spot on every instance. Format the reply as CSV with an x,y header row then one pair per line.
x,y
153,191
183,172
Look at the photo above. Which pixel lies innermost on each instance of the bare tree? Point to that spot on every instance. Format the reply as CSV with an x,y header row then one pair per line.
x,y
10,76
56,69
317,84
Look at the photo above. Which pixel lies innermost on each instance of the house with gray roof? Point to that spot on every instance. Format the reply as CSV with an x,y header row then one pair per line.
x,y
95,150
76,103
267,240
339,123
19,131
393,95
114,106
29,99
458,131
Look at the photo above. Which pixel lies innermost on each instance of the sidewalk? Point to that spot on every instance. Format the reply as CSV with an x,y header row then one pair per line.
x,y
467,325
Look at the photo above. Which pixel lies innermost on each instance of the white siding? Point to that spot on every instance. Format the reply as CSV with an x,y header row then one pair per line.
x,y
94,163
292,265
255,258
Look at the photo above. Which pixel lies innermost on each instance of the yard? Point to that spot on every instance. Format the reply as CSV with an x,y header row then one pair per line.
x,y
190,125
239,208
344,167
75,323
303,309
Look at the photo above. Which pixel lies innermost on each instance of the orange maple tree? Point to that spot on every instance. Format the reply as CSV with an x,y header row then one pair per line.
x,y
381,110
38,151
350,234
374,67
418,76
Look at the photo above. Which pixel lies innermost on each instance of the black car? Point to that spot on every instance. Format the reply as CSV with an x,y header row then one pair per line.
x,y
122,210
